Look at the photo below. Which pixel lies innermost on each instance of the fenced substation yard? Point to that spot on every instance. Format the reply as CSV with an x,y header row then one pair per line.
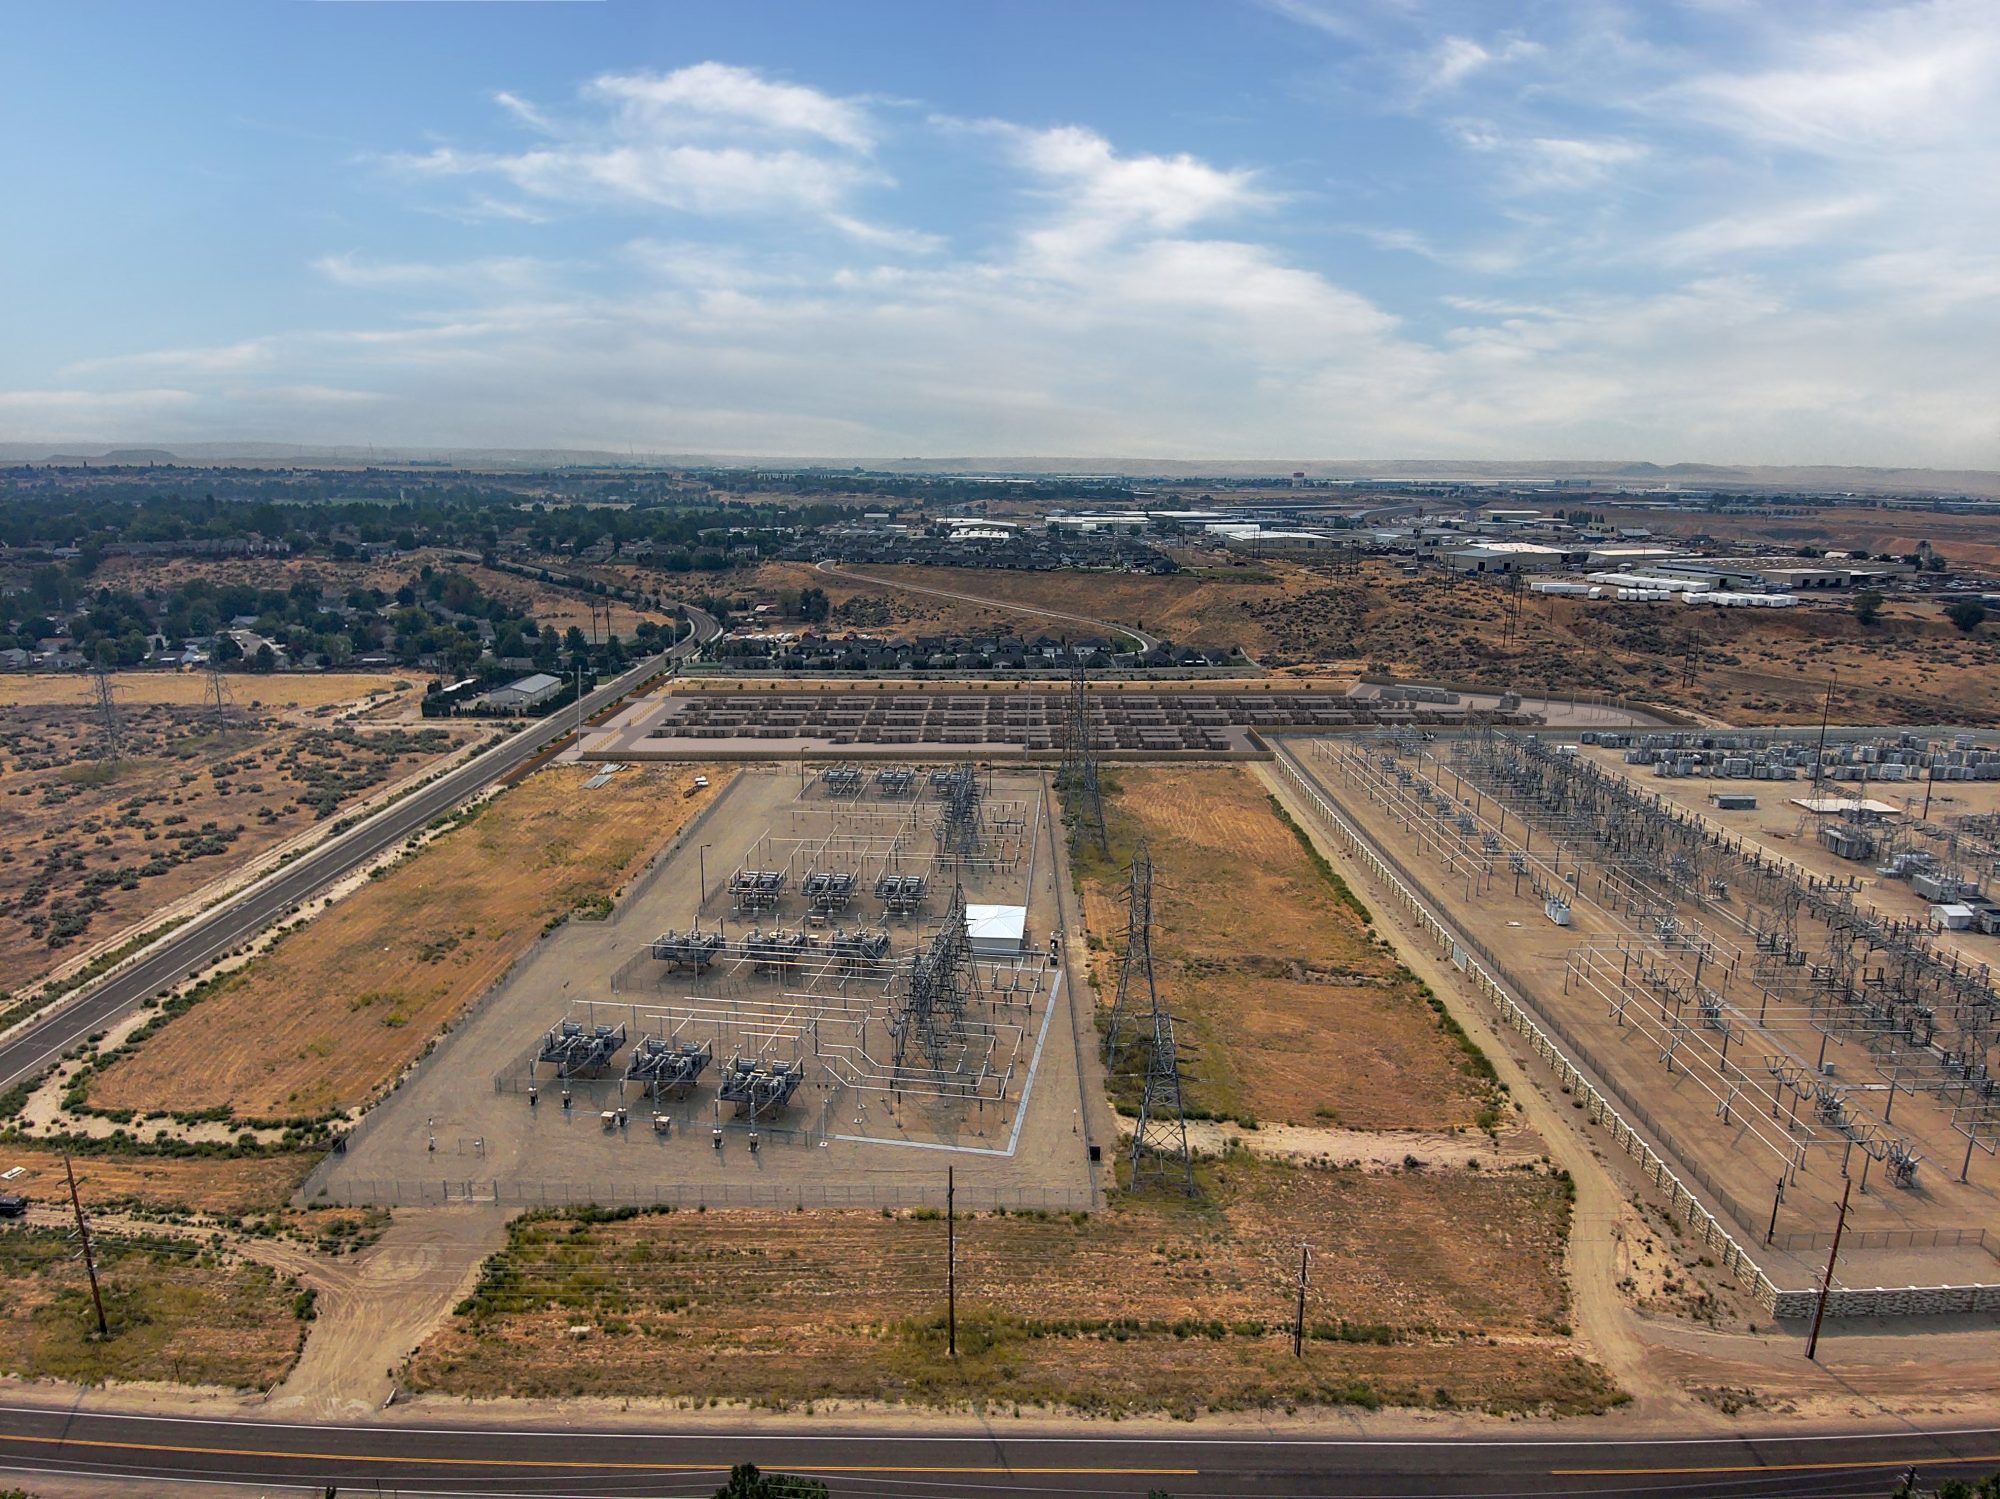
x,y
1772,1036
769,1019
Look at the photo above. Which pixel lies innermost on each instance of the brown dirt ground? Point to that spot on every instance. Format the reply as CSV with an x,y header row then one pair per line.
x,y
1287,1009
1754,666
217,1185
1961,538
87,848
335,1011
1204,611
1431,1289
174,1313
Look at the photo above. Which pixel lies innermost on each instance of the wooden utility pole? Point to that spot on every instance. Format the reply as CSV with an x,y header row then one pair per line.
x,y
1299,1319
951,1259
83,1239
1826,1285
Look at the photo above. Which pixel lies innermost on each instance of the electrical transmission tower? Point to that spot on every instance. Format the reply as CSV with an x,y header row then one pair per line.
x,y
215,694
107,714
1136,990
1160,1140
1077,780
1691,660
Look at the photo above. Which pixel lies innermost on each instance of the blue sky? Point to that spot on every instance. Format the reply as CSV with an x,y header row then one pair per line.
x,y
1710,230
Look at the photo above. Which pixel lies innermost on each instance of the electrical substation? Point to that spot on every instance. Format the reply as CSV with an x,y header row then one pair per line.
x,y
1780,1025
838,980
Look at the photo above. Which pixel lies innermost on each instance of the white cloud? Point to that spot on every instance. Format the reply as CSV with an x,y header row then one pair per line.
x,y
709,140
1153,302
715,96
1785,226
1164,193
249,354
1899,78
1457,58
348,269
1551,163
1330,19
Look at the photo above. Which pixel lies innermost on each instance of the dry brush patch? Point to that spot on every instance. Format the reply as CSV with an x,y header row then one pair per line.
x,y
176,1312
1435,1289
87,845
1752,666
1287,1007
334,1012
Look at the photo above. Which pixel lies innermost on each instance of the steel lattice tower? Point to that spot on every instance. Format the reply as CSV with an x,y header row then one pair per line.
x,y
961,828
929,1016
1077,780
1159,1140
108,716
215,696
1136,990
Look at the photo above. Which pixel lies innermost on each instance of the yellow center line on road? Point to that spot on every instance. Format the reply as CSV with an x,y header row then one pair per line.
x,y
1866,1462
537,1462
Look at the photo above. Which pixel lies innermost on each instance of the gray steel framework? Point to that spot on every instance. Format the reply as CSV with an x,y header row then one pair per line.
x,y
1077,780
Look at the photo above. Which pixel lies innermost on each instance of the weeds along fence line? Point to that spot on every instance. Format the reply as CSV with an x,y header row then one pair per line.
x,y
1703,1224
691,1197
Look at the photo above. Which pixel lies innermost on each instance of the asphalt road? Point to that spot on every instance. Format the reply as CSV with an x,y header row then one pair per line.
x,y
570,1460
241,916
1112,627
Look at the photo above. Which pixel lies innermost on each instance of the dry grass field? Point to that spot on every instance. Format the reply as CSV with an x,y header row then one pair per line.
x,y
88,846
1288,1010
1435,1289
221,1186
333,1012
175,1313
1206,610
248,692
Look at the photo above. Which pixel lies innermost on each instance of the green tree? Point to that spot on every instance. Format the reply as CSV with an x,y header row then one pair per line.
x,y
1868,606
1967,614
745,1482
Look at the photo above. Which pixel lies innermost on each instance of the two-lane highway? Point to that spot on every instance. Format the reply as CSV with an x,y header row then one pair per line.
x,y
239,917
931,1459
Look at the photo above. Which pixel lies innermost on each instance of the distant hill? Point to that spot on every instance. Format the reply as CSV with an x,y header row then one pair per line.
x,y
1830,479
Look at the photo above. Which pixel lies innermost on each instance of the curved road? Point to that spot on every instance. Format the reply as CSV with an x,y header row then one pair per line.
x,y
1146,642
241,916
931,1459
